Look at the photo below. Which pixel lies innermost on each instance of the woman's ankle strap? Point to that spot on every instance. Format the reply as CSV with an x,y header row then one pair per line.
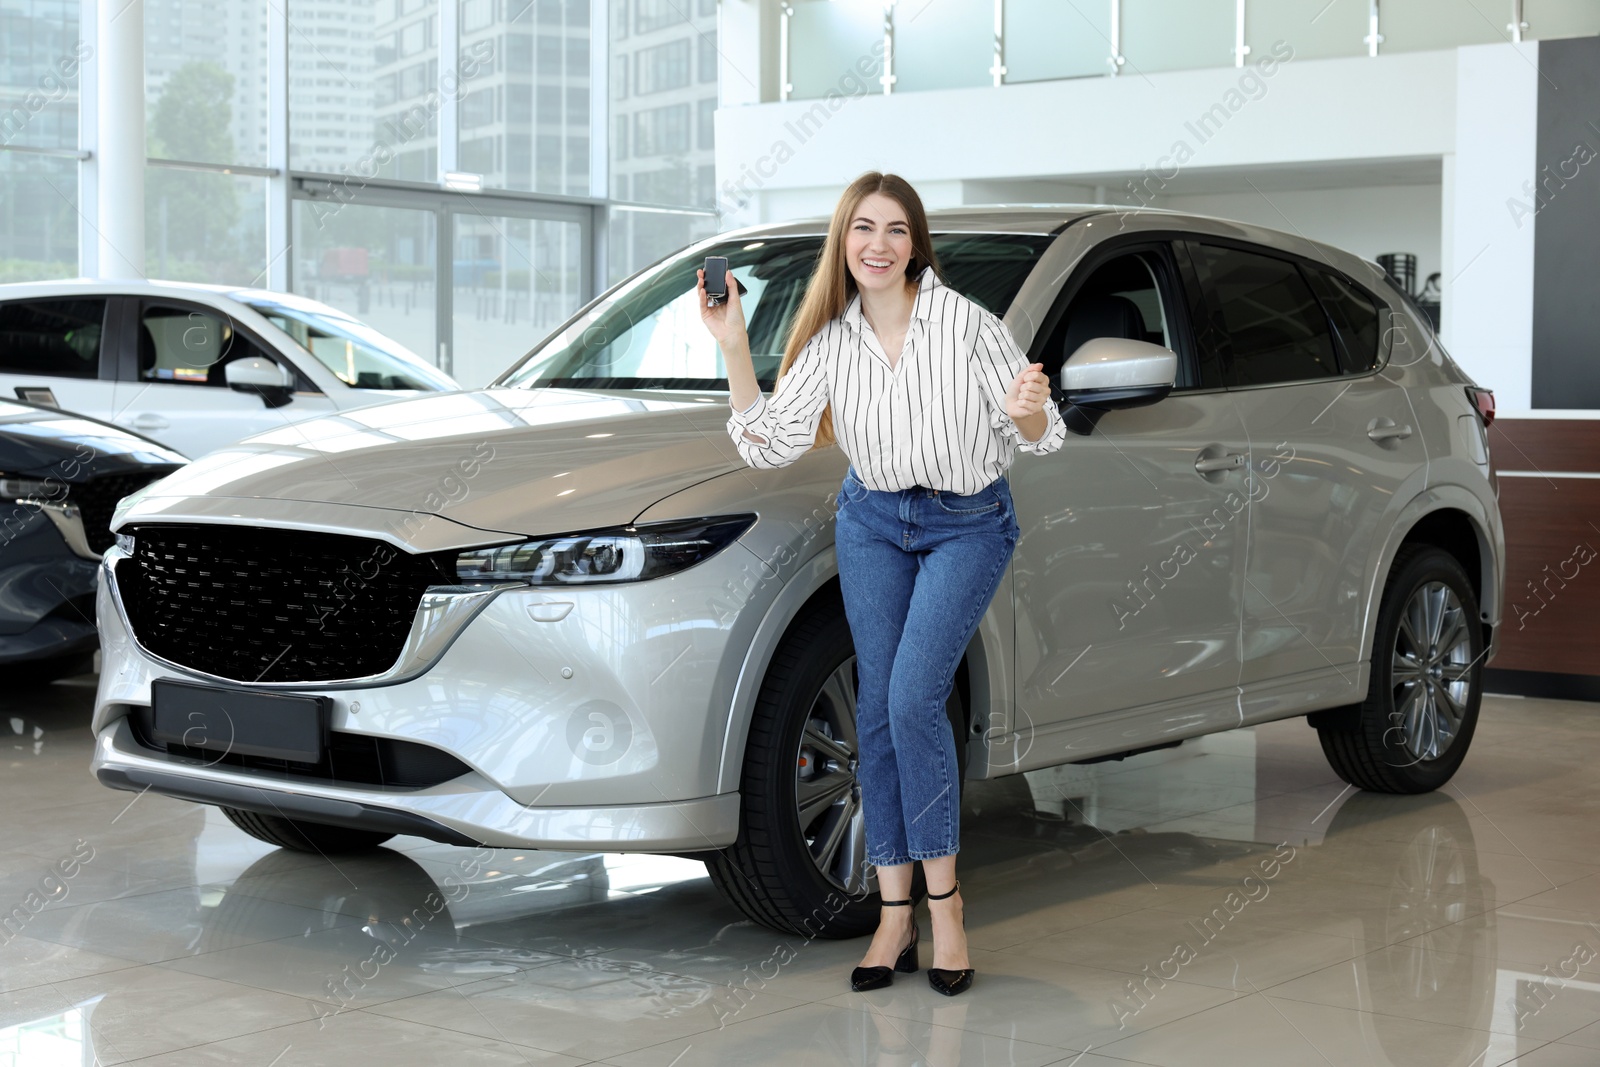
x,y
942,896
894,903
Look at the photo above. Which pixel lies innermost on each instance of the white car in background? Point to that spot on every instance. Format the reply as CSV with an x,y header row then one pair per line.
x,y
196,366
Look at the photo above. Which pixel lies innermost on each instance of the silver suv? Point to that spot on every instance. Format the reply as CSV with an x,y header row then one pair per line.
x,y
561,612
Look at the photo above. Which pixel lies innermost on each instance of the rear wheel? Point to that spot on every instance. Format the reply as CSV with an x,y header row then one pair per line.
x,y
302,836
799,864
1413,729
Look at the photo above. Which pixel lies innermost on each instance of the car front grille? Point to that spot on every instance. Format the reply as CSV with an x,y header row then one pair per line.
x,y
97,499
264,605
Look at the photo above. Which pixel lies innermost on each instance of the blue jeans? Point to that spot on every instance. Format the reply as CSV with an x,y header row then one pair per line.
x,y
918,568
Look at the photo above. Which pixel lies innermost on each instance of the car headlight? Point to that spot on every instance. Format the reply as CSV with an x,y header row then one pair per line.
x,y
620,554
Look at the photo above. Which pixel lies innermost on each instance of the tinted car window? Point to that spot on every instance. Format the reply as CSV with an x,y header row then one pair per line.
x,y
1263,318
1355,317
186,346
649,335
55,337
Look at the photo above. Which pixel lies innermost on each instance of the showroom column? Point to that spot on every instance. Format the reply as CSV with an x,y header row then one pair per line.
x,y
119,103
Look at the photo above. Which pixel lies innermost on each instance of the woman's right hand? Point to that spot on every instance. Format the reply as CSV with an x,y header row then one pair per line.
x,y
726,320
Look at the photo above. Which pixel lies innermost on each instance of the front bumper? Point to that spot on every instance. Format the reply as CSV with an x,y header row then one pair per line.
x,y
465,811
588,718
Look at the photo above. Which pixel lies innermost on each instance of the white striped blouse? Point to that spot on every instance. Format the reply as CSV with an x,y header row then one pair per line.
x,y
936,418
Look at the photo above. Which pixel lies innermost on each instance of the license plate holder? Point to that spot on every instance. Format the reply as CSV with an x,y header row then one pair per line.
x,y
288,726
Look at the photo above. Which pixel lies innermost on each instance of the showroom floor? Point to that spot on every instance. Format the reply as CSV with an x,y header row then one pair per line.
x,y
1226,902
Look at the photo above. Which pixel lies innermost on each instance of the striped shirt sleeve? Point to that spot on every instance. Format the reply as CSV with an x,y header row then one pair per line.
x,y
786,425
998,360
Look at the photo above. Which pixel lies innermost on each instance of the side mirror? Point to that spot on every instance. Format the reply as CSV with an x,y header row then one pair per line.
x,y
273,383
1114,372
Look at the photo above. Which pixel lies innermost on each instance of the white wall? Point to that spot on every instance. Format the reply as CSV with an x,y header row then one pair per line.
x,y
1305,111
1488,310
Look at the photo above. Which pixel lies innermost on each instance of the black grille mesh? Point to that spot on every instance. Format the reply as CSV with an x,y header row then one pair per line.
x,y
263,605
97,499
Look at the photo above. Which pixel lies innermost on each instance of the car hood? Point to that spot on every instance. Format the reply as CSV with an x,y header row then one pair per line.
x,y
38,441
515,461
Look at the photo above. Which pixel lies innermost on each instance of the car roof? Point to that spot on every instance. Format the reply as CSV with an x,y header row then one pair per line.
x,y
159,287
1050,218
991,218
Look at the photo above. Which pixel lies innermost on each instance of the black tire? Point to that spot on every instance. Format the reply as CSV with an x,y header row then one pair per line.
x,y
769,872
1374,745
302,836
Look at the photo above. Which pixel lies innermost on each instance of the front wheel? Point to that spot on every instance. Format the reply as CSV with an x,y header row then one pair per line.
x,y
1413,729
799,864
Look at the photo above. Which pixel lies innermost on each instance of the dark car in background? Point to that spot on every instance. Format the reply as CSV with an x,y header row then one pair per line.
x,y
61,475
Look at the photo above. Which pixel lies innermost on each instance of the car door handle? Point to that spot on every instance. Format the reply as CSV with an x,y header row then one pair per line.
x,y
1382,429
1226,462
150,421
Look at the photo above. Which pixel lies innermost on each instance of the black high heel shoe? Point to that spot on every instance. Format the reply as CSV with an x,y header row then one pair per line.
x,y
865,978
944,979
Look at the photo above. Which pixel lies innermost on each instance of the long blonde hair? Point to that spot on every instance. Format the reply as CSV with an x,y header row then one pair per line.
x,y
832,285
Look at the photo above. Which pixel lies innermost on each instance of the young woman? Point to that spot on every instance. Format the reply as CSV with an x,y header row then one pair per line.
x,y
928,395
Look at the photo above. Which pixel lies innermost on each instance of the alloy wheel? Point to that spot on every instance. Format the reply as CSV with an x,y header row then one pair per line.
x,y
827,792
1431,671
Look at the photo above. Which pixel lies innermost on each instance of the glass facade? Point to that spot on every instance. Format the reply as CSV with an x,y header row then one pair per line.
x,y
38,217
40,57
41,61
376,263
364,88
525,96
663,60
205,80
204,226
515,280
639,236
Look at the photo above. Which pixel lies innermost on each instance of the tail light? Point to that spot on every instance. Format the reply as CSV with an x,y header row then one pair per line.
x,y
1483,401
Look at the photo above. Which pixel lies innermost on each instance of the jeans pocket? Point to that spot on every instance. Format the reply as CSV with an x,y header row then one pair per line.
x,y
982,502
852,490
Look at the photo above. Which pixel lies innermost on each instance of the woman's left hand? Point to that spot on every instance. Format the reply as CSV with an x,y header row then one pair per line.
x,y
1028,392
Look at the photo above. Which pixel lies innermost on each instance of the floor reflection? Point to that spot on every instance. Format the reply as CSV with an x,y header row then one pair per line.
x,y
1226,901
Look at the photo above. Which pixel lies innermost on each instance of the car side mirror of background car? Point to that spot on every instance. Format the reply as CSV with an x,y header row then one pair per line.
x,y
273,383
1114,372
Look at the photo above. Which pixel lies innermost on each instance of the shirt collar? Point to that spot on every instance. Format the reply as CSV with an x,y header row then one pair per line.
x,y
925,306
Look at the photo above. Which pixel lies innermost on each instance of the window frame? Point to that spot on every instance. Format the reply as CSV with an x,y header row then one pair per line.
x,y
133,311
1170,286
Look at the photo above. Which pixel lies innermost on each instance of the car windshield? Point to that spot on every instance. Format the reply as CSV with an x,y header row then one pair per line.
x,y
360,356
648,334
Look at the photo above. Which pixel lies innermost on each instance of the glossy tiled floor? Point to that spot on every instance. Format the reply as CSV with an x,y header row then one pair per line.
x,y
1227,902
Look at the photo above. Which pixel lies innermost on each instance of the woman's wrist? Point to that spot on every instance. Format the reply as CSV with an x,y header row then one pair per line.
x,y
1033,427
